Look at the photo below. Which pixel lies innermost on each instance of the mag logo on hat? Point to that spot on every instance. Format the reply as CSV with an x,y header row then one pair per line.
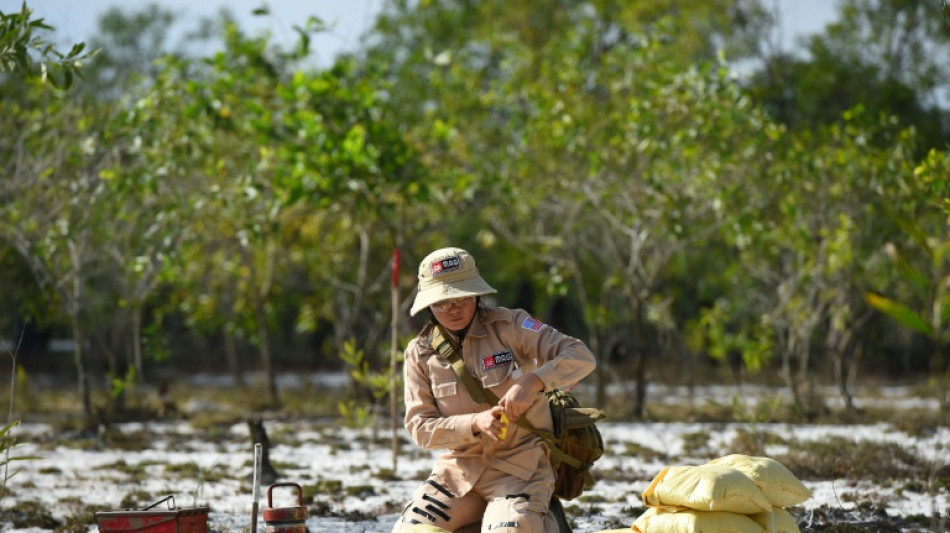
x,y
450,264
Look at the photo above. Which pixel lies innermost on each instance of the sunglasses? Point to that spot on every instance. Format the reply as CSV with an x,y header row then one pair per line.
x,y
445,305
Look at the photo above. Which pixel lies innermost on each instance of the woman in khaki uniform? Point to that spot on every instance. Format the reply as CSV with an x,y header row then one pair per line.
x,y
494,473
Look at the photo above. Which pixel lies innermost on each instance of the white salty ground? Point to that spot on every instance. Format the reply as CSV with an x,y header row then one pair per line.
x,y
307,452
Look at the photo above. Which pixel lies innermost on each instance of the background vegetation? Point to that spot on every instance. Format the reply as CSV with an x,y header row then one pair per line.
x,y
660,179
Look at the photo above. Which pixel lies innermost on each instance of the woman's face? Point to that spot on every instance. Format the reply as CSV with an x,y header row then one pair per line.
x,y
454,314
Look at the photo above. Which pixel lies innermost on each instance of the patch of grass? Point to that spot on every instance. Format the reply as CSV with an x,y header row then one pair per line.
x,y
280,466
592,498
79,518
216,421
696,443
618,474
183,470
918,520
136,499
340,447
75,440
135,472
615,523
590,510
192,471
916,422
750,442
386,474
632,511
320,488
866,517
837,457
361,490
635,449
29,514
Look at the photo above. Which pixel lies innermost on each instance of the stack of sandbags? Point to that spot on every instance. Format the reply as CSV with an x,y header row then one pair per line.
x,y
734,494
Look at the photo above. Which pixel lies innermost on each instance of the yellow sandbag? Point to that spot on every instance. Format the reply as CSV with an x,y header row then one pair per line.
x,y
778,521
657,521
778,483
705,488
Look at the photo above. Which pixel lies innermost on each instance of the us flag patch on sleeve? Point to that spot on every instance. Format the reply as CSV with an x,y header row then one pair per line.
x,y
532,324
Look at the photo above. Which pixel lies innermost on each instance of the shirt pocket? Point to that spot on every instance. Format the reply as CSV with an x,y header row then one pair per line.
x,y
447,393
444,389
495,376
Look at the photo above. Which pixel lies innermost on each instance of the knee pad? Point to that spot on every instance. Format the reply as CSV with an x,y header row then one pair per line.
x,y
514,514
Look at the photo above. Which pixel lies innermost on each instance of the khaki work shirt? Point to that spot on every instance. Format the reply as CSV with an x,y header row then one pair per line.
x,y
501,345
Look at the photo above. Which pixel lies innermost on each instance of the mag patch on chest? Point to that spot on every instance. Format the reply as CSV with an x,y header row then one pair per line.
x,y
499,359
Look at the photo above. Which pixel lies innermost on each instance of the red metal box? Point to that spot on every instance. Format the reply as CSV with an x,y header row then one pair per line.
x,y
188,520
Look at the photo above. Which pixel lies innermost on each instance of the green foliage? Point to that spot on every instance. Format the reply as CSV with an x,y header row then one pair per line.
x,y
900,313
754,342
122,384
7,443
377,383
20,41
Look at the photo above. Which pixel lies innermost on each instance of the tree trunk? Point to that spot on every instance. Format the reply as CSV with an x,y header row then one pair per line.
x,y
79,359
807,387
600,376
640,364
73,301
137,343
258,434
230,354
266,361
838,345
787,345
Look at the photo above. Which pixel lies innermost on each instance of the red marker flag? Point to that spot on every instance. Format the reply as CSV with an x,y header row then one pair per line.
x,y
395,267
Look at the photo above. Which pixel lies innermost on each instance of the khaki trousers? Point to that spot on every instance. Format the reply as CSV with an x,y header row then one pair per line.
x,y
502,503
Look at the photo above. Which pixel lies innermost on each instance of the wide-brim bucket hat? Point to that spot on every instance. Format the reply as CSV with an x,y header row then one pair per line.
x,y
445,274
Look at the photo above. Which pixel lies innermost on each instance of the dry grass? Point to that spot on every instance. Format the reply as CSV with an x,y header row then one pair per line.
x,y
843,460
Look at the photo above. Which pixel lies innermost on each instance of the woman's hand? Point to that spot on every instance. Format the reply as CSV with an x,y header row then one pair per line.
x,y
521,395
488,422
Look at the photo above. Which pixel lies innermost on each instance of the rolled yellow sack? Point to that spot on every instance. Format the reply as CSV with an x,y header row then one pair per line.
x,y
777,521
657,521
705,488
777,482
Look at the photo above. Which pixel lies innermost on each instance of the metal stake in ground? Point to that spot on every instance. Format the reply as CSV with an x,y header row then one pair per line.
x,y
256,486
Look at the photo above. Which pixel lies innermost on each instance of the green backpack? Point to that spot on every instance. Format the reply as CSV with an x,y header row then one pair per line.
x,y
578,442
575,442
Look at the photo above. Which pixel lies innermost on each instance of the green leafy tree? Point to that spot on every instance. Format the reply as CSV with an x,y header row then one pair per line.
x,y
55,210
922,257
889,57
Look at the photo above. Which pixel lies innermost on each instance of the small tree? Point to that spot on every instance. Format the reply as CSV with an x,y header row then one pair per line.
x,y
926,237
